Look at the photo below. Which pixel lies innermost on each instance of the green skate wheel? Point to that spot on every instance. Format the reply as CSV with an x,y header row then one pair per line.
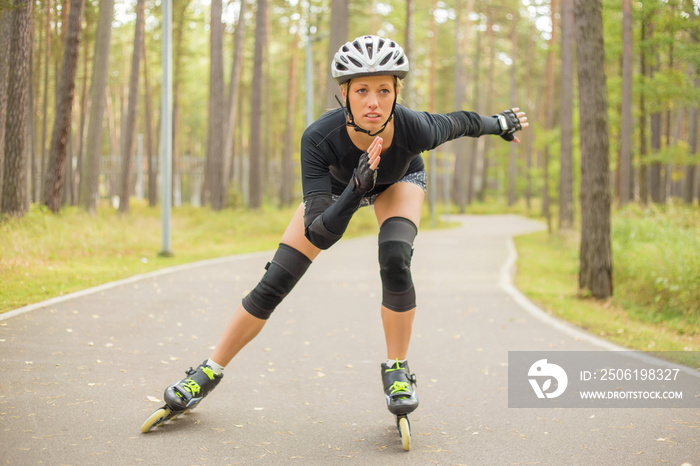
x,y
405,432
160,415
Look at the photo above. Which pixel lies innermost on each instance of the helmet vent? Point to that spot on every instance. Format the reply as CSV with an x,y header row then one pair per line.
x,y
355,62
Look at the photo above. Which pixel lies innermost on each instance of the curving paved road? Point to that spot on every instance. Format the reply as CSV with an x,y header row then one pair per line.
x,y
77,374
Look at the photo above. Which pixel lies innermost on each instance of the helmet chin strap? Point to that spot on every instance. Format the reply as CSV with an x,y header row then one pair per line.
x,y
351,118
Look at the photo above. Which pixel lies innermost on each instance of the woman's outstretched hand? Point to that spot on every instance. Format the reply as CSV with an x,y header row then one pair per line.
x,y
511,121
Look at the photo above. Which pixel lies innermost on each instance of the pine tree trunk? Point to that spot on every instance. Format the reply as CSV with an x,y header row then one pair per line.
x,y
690,169
477,105
461,145
566,100
83,107
234,93
5,36
45,113
533,111
128,139
490,33
595,260
408,50
256,108
626,168
514,100
549,113
53,188
338,36
215,157
14,187
655,185
643,168
151,160
286,189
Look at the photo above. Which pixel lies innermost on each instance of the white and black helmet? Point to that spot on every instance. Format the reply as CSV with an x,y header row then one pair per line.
x,y
367,56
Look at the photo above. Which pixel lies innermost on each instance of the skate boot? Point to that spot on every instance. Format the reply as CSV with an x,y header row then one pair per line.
x,y
184,395
188,392
401,398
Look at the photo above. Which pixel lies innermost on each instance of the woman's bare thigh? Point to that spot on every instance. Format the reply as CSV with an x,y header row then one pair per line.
x,y
294,235
400,200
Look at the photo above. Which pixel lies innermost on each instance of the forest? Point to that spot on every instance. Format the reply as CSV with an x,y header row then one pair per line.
x,y
80,91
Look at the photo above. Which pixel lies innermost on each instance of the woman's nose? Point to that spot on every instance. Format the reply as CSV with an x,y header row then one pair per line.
x,y
372,102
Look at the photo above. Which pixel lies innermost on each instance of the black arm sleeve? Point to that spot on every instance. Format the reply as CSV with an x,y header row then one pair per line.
x,y
429,130
325,221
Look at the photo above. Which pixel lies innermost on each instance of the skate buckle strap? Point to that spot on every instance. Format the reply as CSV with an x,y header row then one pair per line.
x,y
209,372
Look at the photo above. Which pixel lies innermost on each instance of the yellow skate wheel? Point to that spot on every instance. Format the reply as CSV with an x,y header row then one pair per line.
x,y
156,418
405,432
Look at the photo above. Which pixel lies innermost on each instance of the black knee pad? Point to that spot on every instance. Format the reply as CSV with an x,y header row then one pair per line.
x,y
282,273
396,237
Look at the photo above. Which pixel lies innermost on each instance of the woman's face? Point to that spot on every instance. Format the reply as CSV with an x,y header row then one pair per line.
x,y
371,100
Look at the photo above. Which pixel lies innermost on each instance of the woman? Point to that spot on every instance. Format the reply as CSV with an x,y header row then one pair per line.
x,y
367,153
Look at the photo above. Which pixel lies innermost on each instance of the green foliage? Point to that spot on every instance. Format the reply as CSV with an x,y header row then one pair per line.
x,y
657,264
656,267
678,154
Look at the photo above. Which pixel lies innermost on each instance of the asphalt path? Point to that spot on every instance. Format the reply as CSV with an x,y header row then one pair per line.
x,y
80,374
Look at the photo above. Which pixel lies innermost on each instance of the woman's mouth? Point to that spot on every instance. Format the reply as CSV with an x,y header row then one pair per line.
x,y
372,117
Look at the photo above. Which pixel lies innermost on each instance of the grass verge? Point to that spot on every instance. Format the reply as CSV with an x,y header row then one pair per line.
x,y
43,255
656,278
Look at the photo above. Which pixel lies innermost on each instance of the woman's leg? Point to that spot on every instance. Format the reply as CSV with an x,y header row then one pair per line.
x,y
400,200
243,326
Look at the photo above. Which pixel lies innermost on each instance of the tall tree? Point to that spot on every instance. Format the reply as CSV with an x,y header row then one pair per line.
x,y
14,186
694,67
256,108
530,102
83,105
45,113
128,140
5,35
151,160
513,99
655,182
690,169
626,169
643,168
98,86
338,36
566,105
461,145
478,106
549,112
214,175
55,175
408,50
234,93
491,36
595,272
286,188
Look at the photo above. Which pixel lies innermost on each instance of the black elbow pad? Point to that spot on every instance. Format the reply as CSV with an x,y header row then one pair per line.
x,y
319,235
314,229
